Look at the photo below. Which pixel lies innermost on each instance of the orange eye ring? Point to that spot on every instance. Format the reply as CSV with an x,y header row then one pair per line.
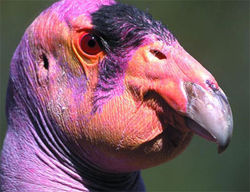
x,y
89,44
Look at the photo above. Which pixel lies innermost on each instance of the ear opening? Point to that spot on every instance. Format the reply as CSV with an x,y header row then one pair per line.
x,y
45,61
42,70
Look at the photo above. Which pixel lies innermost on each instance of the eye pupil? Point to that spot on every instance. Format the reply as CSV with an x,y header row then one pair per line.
x,y
92,43
89,44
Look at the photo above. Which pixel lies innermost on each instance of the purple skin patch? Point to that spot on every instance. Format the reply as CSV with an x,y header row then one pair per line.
x,y
36,155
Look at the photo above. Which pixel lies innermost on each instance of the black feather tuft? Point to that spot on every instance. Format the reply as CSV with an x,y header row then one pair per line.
x,y
124,27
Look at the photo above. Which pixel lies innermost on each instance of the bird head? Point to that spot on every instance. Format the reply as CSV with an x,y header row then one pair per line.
x,y
118,86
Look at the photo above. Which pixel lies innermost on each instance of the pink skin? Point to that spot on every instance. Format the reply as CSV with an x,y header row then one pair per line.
x,y
126,131
142,125
121,129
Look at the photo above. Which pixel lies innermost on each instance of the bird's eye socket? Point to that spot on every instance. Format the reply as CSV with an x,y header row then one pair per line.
x,y
89,44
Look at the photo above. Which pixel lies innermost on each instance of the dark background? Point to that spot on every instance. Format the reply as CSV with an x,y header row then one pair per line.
x,y
216,33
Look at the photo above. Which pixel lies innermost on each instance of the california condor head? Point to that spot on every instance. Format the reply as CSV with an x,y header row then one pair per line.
x,y
145,95
107,83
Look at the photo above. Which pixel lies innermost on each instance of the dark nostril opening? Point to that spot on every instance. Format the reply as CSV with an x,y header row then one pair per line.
x,y
158,54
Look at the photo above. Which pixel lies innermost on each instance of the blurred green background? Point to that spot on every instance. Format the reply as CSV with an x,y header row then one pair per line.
x,y
216,33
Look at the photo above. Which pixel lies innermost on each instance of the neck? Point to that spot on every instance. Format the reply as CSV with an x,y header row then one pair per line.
x,y
35,158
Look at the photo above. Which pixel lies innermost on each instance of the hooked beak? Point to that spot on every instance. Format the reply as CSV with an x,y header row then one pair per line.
x,y
193,92
209,114
187,87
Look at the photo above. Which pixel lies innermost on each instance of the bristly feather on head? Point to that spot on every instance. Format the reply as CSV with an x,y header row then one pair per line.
x,y
123,27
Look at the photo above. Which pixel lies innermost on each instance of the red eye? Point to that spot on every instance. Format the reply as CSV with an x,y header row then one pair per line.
x,y
89,44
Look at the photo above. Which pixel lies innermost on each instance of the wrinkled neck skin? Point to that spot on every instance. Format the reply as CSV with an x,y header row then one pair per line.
x,y
37,157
